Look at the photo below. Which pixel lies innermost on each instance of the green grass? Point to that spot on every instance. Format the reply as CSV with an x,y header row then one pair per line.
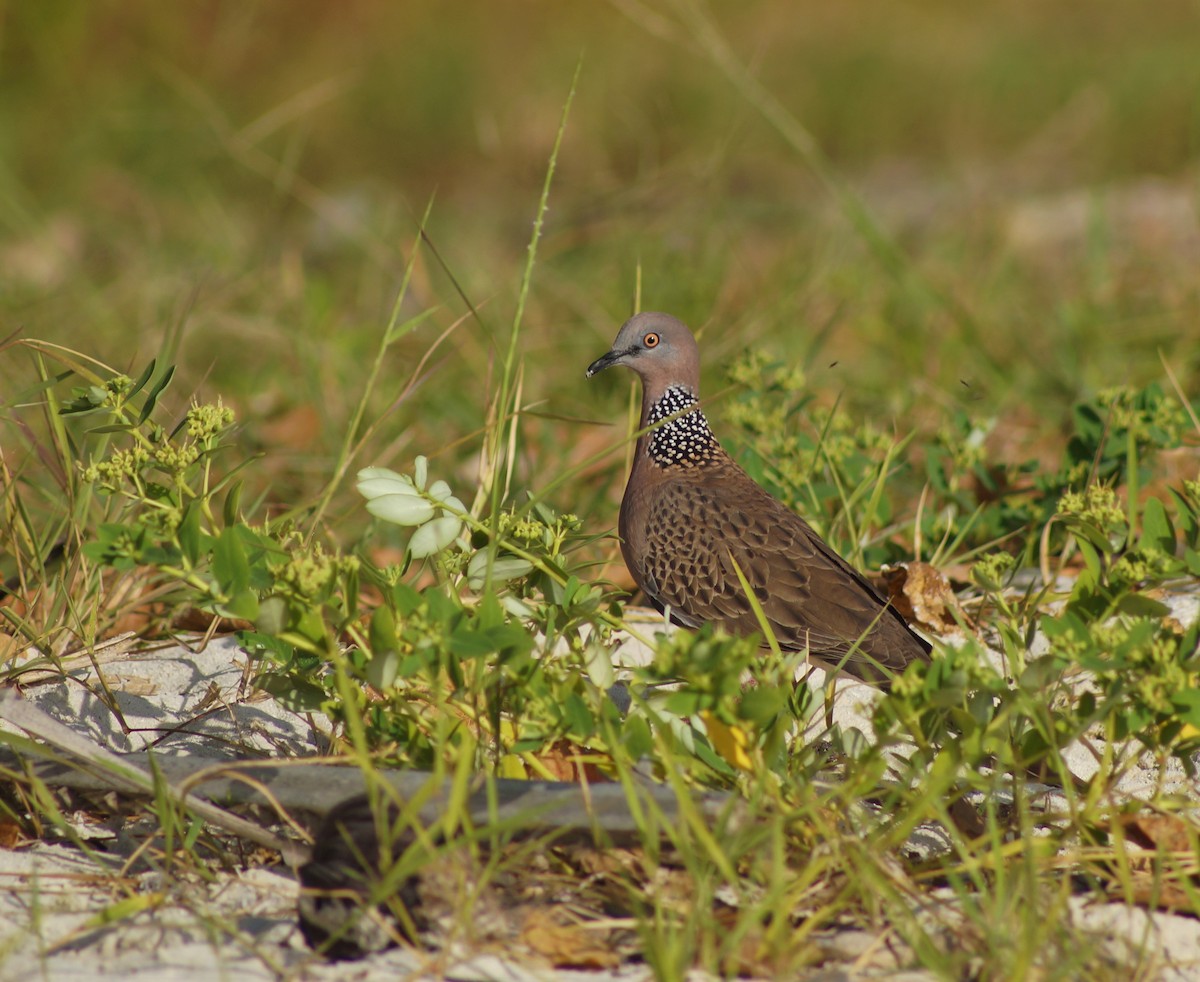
x,y
938,293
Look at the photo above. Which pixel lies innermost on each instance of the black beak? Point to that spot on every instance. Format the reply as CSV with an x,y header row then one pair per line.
x,y
605,361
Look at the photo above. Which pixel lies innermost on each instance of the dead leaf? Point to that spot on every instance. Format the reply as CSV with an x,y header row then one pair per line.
x,y
1169,833
610,861
10,834
922,595
1157,894
562,759
966,818
9,648
565,943
135,685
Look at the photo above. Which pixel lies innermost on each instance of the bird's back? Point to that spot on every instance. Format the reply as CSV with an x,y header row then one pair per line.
x,y
687,531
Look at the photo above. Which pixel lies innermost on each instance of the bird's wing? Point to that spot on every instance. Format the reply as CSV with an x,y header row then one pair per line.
x,y
812,598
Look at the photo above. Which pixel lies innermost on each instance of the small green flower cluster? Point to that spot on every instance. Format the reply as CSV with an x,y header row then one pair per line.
x,y
452,561
126,465
1148,413
311,571
116,387
758,416
551,533
964,441
991,572
755,370
841,439
175,458
1145,656
759,408
208,420
1140,566
121,466
1097,505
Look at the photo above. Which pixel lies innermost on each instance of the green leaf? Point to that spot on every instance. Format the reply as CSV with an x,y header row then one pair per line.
x,y
705,752
397,331
638,738
375,481
230,566
433,537
243,604
1192,558
292,693
155,392
597,662
86,401
1158,534
111,428
272,615
504,568
231,507
683,703
382,631
761,704
579,719
122,909
406,600
469,643
383,668
1186,517
570,588
1188,704
311,626
142,379
1066,624
490,614
1091,559
1139,605
402,509
189,534
511,640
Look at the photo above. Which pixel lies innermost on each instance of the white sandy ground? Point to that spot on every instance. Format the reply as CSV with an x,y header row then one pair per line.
x,y
53,897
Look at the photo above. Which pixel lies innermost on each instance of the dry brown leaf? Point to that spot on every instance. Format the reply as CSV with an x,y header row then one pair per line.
x,y
135,685
592,861
1155,831
9,648
966,818
562,760
1157,893
199,621
10,834
565,943
923,595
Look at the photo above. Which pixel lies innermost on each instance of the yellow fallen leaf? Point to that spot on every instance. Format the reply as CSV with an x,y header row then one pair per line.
x,y
512,766
729,741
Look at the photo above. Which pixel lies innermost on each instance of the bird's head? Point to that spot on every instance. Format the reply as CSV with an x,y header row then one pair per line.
x,y
659,348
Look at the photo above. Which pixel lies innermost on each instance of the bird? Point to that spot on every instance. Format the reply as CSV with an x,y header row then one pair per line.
x,y
691,518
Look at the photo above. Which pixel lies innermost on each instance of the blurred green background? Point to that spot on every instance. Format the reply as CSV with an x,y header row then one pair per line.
x,y
235,187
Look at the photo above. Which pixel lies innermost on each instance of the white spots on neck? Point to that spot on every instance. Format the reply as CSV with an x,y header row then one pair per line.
x,y
687,440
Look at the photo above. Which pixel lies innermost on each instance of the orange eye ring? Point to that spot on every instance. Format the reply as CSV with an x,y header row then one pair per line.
x,y
650,340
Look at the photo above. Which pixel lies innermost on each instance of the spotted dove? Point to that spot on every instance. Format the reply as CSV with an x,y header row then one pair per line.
x,y
690,513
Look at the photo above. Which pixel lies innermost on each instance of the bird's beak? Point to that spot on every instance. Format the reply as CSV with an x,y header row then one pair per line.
x,y
605,361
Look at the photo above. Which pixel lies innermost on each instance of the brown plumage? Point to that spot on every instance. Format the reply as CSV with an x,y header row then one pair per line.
x,y
690,513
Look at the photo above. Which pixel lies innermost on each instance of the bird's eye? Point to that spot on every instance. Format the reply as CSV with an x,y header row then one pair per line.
x,y
650,340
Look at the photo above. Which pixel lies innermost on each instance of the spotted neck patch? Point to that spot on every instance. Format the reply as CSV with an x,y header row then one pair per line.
x,y
685,441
